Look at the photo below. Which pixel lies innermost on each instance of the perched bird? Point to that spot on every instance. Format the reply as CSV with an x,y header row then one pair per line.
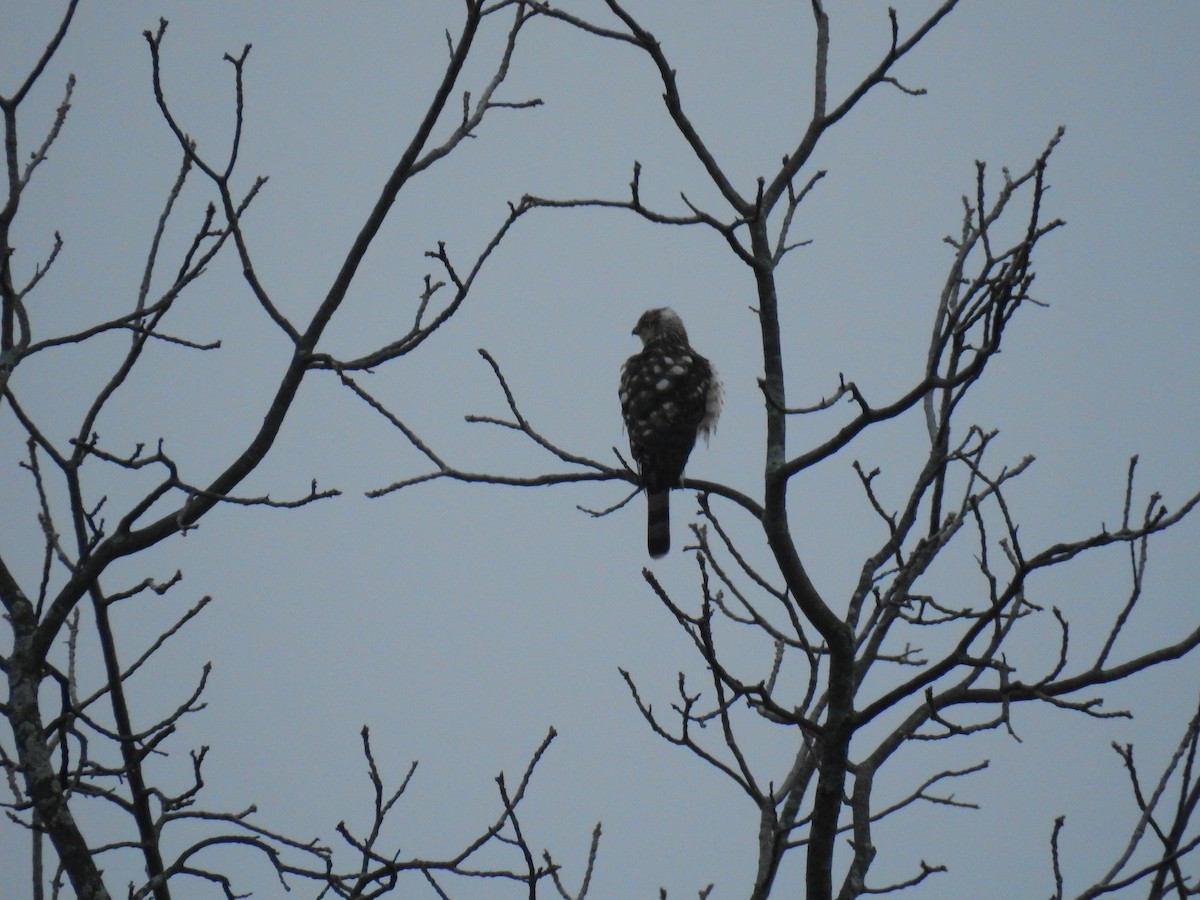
x,y
669,395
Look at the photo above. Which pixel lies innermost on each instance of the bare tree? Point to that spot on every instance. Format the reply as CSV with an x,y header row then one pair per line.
x,y
73,739
843,676
840,678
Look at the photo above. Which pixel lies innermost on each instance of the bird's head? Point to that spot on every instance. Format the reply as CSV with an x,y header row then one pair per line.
x,y
659,323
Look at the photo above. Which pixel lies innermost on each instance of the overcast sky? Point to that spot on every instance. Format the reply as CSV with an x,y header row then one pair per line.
x,y
461,622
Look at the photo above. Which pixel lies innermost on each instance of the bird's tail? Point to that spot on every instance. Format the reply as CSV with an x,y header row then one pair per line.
x,y
658,522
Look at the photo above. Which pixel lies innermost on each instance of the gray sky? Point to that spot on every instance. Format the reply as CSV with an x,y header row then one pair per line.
x,y
461,622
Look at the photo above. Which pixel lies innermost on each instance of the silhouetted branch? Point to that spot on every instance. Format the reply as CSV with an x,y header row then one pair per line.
x,y
379,874
55,762
593,851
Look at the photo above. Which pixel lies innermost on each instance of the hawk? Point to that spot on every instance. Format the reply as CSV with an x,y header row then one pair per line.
x,y
669,395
